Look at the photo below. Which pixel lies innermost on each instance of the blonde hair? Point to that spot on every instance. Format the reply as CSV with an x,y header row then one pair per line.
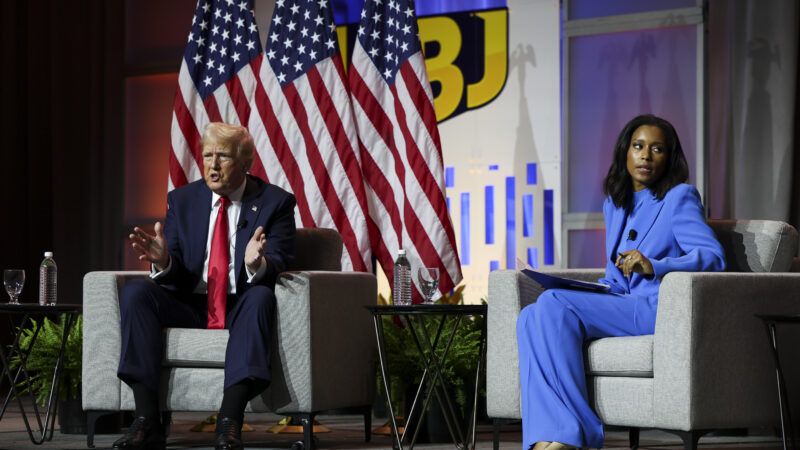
x,y
230,136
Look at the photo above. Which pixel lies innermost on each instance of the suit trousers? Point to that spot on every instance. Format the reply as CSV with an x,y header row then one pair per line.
x,y
551,334
147,308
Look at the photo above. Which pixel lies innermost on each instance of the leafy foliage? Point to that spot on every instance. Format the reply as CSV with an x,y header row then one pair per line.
x,y
43,356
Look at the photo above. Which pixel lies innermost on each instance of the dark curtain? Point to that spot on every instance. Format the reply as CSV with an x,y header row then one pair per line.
x,y
794,212
754,165
62,128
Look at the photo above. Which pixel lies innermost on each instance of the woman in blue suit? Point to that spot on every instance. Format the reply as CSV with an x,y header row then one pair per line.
x,y
654,225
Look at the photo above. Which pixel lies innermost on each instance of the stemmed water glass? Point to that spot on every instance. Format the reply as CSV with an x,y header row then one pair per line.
x,y
14,280
429,283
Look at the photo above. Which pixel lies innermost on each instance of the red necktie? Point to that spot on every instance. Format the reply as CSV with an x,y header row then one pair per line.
x,y
218,268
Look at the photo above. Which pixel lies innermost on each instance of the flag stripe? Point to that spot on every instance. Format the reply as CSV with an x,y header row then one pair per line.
x,y
429,255
422,99
321,175
381,126
188,129
183,156
339,138
176,174
374,112
285,157
384,193
294,150
342,143
212,109
301,113
423,169
239,99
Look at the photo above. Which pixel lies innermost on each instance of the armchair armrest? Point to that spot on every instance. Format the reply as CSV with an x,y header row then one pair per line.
x,y
509,292
102,338
323,334
705,332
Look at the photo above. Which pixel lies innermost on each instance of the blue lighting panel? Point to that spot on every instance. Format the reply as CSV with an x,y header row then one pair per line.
x,y
447,200
494,265
511,224
348,11
489,216
465,229
549,251
527,215
494,167
533,257
531,173
449,177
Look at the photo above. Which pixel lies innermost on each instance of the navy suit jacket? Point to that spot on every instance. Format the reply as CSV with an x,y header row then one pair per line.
x,y
672,234
186,232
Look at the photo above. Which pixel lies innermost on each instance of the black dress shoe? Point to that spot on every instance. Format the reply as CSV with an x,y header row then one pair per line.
x,y
229,434
143,434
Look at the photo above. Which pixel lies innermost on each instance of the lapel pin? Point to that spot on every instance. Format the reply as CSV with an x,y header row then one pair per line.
x,y
254,208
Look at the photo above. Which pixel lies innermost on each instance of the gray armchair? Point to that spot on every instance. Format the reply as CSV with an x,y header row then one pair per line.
x,y
708,365
323,346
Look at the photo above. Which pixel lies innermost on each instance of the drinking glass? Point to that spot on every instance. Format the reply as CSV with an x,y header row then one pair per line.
x,y
14,280
429,283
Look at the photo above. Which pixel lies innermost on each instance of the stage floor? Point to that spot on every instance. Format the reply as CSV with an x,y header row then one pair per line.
x,y
347,433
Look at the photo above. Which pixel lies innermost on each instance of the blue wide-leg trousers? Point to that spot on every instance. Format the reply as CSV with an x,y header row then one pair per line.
x,y
147,308
551,334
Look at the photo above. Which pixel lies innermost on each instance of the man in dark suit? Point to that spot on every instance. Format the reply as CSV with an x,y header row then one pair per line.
x,y
213,265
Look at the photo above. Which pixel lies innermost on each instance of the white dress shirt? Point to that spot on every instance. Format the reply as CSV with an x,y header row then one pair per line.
x,y
234,210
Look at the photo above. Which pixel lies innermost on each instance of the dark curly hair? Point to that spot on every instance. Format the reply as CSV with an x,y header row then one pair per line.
x,y
618,183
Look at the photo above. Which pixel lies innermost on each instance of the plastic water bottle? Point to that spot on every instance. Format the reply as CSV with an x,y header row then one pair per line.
x,y
401,291
48,274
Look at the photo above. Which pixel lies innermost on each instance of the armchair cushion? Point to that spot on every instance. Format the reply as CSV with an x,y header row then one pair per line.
x,y
188,347
627,356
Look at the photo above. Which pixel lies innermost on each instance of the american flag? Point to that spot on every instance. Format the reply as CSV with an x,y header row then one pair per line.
x,y
216,81
301,118
401,154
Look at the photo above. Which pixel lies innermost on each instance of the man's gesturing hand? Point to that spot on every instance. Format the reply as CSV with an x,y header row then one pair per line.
x,y
151,248
254,253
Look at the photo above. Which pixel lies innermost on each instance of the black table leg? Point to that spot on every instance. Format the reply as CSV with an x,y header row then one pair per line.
x,y
783,401
474,422
434,364
433,351
45,430
378,323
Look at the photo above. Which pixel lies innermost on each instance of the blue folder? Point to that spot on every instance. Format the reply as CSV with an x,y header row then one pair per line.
x,y
554,282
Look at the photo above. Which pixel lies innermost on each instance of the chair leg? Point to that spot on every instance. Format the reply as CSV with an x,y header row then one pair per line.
x,y
496,423
308,430
166,422
91,422
94,415
633,437
368,423
689,438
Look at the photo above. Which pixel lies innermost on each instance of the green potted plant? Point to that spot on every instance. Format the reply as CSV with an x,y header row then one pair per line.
x,y
458,370
41,362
